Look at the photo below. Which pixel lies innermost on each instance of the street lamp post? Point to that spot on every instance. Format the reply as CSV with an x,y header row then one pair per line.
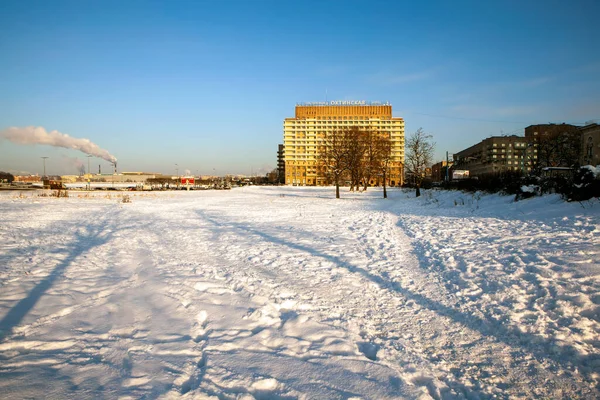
x,y
447,158
89,172
44,158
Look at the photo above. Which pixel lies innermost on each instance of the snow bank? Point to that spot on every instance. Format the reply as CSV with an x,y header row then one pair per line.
x,y
595,170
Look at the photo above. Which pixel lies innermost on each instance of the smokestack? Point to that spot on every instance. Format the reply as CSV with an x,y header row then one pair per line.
x,y
99,170
115,163
38,135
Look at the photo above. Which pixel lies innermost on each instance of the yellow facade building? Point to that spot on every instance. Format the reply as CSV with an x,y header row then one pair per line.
x,y
304,134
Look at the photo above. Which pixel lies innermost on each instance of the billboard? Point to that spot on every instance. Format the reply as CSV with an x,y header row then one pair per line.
x,y
460,174
187,180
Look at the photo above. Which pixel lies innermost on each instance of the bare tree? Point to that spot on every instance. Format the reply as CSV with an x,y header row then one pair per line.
x,y
356,141
273,176
371,158
6,176
383,157
559,146
419,151
333,157
356,154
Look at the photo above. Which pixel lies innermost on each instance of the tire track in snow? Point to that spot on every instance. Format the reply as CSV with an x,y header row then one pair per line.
x,y
173,349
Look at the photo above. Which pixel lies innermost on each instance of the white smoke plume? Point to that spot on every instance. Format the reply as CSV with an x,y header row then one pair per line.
x,y
39,135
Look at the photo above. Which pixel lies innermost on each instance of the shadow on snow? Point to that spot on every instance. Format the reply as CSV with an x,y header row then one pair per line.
x,y
541,348
84,242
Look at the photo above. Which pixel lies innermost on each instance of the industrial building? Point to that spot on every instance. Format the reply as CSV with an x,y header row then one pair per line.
x,y
304,135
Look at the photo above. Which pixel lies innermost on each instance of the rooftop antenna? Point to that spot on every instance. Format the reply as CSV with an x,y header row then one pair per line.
x,y
325,95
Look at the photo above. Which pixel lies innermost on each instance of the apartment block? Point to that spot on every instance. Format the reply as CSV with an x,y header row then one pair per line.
x,y
590,140
535,133
497,154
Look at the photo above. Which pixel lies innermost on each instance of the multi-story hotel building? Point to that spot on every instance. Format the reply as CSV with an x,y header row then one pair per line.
x,y
305,133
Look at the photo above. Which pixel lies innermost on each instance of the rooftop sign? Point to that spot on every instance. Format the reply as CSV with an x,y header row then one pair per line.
x,y
345,103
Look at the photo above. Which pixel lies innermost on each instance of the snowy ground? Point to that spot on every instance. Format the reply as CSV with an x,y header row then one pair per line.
x,y
283,293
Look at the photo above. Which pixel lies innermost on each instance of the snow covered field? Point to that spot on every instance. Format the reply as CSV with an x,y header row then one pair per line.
x,y
283,293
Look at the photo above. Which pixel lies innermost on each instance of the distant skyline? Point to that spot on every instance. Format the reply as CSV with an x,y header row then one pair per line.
x,y
206,85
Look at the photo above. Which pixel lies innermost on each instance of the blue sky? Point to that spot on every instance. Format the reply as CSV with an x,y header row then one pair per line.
x,y
206,84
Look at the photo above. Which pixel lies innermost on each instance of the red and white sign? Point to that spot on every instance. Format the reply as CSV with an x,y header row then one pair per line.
x,y
187,181
460,174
